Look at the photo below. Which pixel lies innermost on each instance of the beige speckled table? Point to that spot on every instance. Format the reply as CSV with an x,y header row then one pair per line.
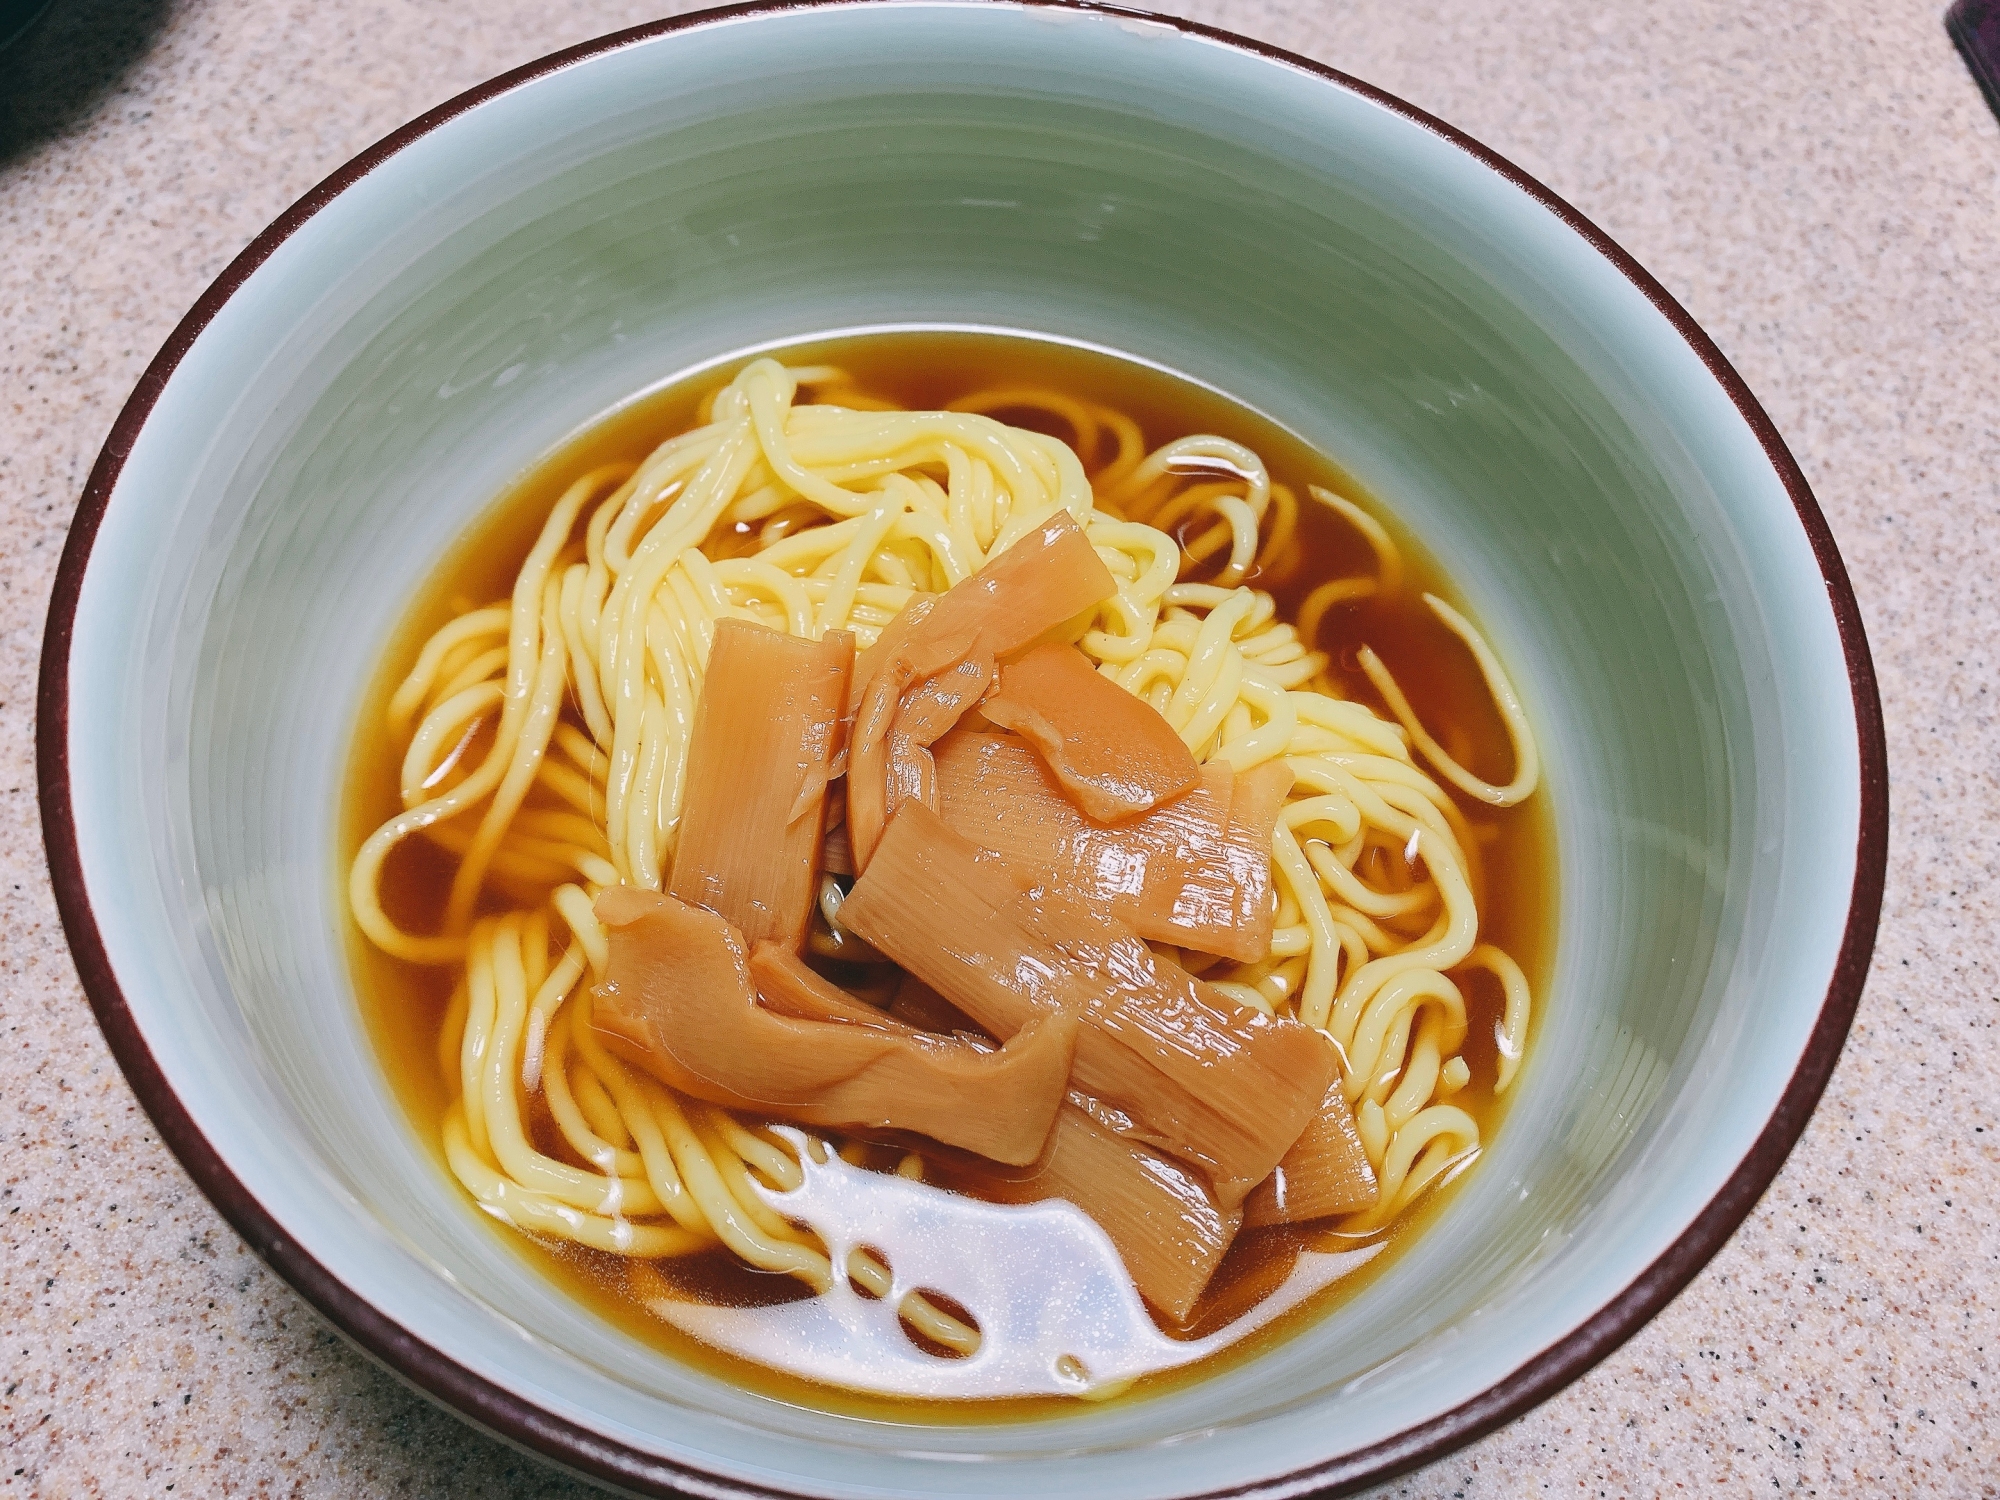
x,y
1818,182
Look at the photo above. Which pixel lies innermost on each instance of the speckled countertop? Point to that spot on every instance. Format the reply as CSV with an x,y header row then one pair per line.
x,y
1818,182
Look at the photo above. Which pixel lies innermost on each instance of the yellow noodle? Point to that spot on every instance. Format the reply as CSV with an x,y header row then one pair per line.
x,y
1526,764
508,1201
469,627
1511,1035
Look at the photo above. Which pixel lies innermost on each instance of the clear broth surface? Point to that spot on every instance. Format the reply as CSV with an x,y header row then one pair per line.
x,y
403,1005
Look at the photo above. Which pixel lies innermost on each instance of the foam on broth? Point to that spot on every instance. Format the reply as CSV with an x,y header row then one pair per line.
x,y
403,1005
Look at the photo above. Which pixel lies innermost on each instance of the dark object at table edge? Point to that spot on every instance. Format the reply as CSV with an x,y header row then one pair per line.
x,y
1974,27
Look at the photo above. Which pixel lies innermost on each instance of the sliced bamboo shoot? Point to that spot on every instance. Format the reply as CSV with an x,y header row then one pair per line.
x,y
765,734
917,1004
1325,1173
1191,872
935,661
789,986
1113,754
678,1001
1165,1059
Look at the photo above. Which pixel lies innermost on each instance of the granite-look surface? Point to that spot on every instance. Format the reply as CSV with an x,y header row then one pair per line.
x,y
1818,183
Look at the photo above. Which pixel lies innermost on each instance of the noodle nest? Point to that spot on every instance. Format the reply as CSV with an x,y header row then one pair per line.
x,y
546,740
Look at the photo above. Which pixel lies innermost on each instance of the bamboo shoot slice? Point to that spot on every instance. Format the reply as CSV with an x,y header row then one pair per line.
x,y
1113,754
786,984
1190,872
678,1000
765,734
1164,1058
935,662
1325,1173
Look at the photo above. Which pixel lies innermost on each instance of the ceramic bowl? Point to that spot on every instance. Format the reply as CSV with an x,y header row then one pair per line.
x,y
352,392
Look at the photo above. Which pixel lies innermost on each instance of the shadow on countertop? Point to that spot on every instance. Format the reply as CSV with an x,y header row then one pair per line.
x,y
67,60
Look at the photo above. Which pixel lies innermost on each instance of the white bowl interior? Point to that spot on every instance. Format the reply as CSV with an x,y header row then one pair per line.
x,y
1467,355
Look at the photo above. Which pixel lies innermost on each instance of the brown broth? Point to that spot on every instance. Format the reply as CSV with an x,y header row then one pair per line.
x,y
403,1005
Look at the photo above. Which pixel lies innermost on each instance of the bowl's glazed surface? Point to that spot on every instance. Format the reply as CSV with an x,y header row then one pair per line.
x,y
1615,507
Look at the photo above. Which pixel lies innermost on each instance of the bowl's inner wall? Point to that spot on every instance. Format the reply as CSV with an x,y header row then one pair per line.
x,y
1467,357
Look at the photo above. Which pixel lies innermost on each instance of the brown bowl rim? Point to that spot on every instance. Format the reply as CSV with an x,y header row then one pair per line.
x,y
510,1417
